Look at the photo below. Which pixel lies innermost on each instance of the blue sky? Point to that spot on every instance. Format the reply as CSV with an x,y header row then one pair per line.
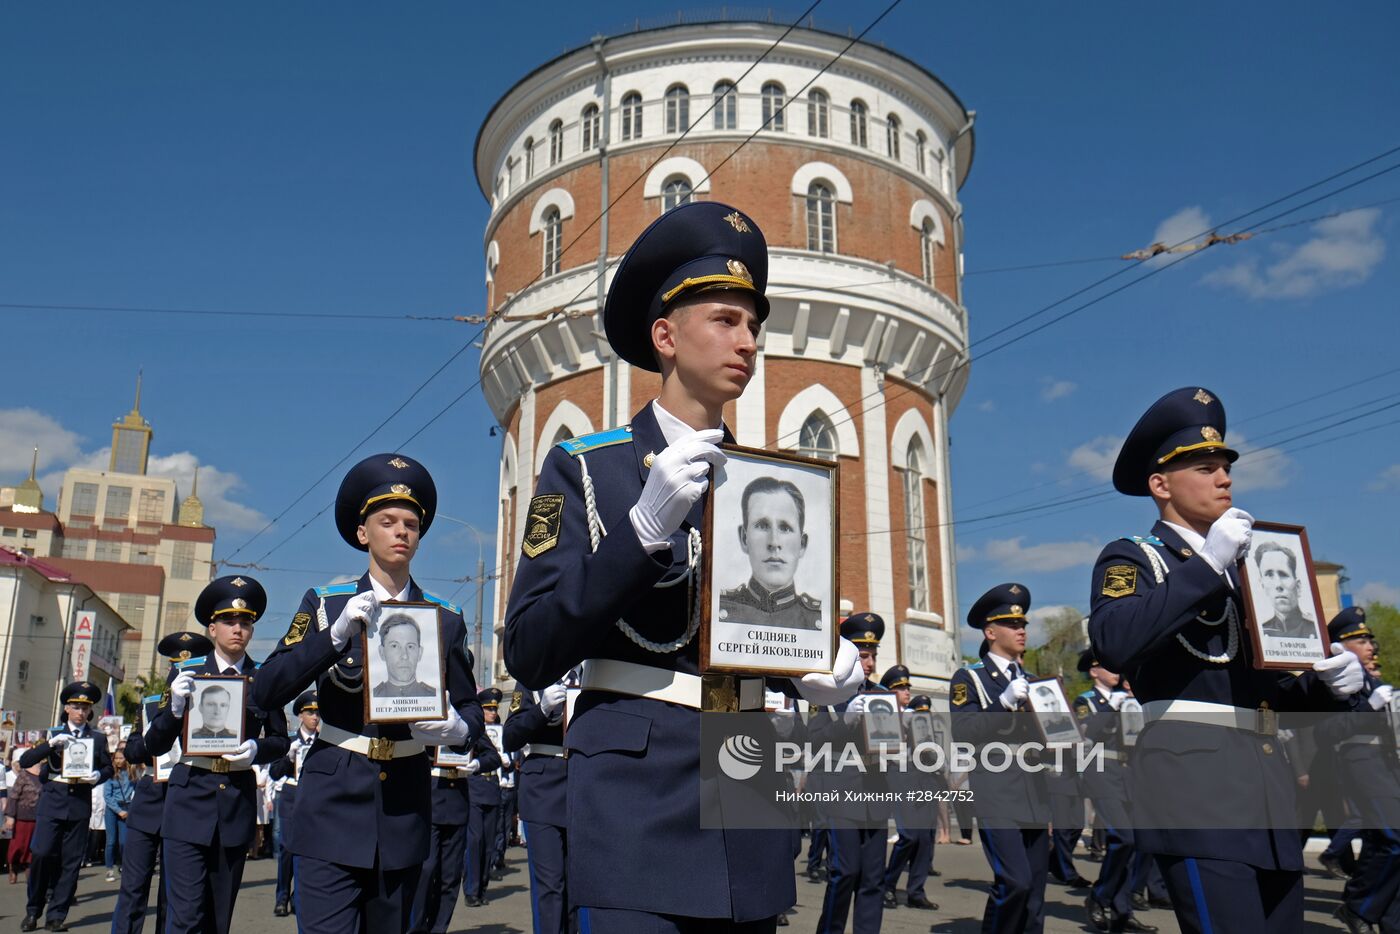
x,y
315,159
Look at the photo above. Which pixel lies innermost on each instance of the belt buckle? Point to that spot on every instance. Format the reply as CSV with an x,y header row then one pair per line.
x,y
218,766
1266,722
381,749
719,693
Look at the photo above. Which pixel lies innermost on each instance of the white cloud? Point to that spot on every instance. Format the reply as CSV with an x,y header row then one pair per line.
x,y
1096,457
1261,469
1388,479
1344,251
986,405
967,552
1190,223
215,490
22,430
1041,613
1053,389
1378,592
1010,554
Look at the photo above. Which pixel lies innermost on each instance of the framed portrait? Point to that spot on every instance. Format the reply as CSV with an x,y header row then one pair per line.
x,y
769,583
166,764
881,723
405,665
446,757
495,732
214,720
1052,712
1283,608
1131,721
1394,710
126,732
79,756
921,728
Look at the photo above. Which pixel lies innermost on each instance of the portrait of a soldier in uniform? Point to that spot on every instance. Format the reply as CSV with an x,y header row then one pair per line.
x,y
1281,597
404,661
401,648
1278,570
215,724
773,536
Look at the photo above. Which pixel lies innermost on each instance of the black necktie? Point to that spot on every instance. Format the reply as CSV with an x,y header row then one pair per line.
x,y
1014,670
230,670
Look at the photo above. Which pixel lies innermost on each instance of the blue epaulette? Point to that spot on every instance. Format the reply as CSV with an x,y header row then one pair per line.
x,y
190,663
1149,539
1087,695
971,666
153,697
351,588
449,607
599,439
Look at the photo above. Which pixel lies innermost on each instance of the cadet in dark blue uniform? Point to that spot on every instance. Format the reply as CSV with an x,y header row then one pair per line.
x,y
916,818
607,581
505,821
485,797
1166,614
65,805
211,811
287,770
364,805
1364,748
1110,903
147,808
535,727
1013,808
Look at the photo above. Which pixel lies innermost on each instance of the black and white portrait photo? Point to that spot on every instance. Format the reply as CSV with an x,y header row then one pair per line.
x,y
1281,596
1047,699
214,723
770,554
78,758
403,665
881,723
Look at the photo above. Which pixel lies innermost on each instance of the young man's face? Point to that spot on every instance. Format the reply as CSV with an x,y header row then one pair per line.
x,y
77,713
902,695
310,721
773,539
712,341
1199,489
492,714
1102,675
391,534
1009,636
213,708
1280,583
230,634
1364,648
867,661
400,649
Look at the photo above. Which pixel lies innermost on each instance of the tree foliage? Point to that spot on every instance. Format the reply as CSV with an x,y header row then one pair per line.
x,y
1058,656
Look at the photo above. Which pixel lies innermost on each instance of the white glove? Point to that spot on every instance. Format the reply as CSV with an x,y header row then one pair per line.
x,y
1116,698
93,777
676,480
1228,539
449,732
181,689
552,699
856,708
61,740
473,765
296,744
1016,692
244,755
1380,697
845,678
361,612
1342,672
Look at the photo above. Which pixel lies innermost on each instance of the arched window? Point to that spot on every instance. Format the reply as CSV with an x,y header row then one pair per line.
x,y
773,112
726,104
556,142
553,240
529,157
921,156
892,129
631,116
859,112
675,192
928,246
591,127
677,109
818,113
821,218
563,434
915,535
817,437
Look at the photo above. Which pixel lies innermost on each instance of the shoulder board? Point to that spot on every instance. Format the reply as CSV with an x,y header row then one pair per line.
x,y
811,603
599,439
190,663
1087,695
972,666
449,607
351,588
1148,539
151,699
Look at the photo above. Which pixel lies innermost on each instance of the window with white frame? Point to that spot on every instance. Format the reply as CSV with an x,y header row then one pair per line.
x,y
773,96
921,157
859,123
675,192
590,126
118,505
892,130
928,248
529,157
915,535
553,227
677,109
563,434
821,217
726,106
818,113
817,437
631,116
556,142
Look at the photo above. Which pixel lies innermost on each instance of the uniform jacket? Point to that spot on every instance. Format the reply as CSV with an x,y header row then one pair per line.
x,y
1014,797
1102,724
1368,770
484,788
1134,624
197,800
352,810
830,726
59,800
634,785
542,794
148,803
286,801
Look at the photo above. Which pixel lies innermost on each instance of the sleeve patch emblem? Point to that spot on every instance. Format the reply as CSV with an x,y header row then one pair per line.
x,y
516,698
959,695
297,631
542,524
1120,580
1082,710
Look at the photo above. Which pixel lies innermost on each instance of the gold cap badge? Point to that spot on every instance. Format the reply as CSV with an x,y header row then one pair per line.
x,y
1015,609
736,220
1210,434
238,582
398,462
739,271
399,489
240,604
870,636
1203,397
1015,588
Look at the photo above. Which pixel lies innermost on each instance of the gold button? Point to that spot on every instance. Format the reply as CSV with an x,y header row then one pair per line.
x,y
383,776
451,784
1186,552
349,661
222,786
1268,749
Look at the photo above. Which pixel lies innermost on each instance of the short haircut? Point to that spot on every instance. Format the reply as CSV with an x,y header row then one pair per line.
x,y
400,619
774,485
212,689
1265,548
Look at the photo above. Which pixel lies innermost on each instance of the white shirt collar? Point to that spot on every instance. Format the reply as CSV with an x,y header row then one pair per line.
x,y
672,428
306,737
1103,691
1002,663
224,664
1197,543
383,594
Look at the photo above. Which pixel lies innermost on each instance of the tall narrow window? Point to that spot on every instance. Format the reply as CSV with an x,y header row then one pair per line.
x,y
726,105
928,247
773,95
556,142
892,129
529,157
590,127
677,109
553,235
675,192
818,113
915,535
859,112
922,155
631,116
821,218
817,438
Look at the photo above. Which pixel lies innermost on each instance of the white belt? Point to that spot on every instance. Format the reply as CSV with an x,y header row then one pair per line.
x,y
213,764
439,772
1115,756
1361,741
543,749
1262,721
376,748
673,687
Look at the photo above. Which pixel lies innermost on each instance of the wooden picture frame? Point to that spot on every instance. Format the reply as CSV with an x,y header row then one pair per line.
x,y
405,652
78,758
162,766
445,758
921,728
495,732
882,728
1284,617
771,609
220,729
1131,721
1054,717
